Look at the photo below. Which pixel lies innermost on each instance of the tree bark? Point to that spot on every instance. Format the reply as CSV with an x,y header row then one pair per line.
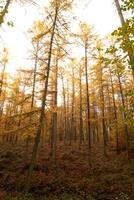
x,y
65,110
88,103
5,10
81,138
38,133
72,132
115,113
55,111
124,114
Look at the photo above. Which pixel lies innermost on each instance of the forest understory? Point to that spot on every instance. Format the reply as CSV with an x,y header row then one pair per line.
x,y
71,178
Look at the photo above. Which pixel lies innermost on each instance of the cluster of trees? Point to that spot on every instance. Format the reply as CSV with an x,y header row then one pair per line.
x,y
84,97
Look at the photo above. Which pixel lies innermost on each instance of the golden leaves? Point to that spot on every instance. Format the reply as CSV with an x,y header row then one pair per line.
x,y
39,29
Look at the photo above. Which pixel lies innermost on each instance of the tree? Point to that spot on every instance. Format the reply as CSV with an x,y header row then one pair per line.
x,y
124,34
5,8
57,7
86,41
119,69
81,136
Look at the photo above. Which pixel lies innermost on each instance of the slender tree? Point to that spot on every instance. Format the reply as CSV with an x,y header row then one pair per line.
x,y
58,6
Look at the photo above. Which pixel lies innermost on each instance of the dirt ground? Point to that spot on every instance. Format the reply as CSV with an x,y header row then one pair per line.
x,y
72,178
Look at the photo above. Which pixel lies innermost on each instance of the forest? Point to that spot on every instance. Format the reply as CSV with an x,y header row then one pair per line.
x,y
67,116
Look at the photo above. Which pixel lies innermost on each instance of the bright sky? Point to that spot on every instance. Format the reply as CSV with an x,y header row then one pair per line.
x,y
99,13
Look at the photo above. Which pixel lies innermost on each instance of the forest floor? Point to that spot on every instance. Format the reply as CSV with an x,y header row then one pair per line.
x,y
72,178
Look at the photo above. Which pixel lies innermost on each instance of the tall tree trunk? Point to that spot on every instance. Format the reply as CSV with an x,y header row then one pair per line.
x,y
72,133
109,120
38,133
55,111
95,126
34,77
88,103
81,137
115,113
65,110
68,112
20,113
33,94
124,114
103,112
103,121
119,11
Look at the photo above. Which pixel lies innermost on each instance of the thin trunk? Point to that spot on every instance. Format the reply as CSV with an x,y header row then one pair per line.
x,y
72,133
68,112
21,111
119,11
65,111
38,133
33,93
103,111
124,114
95,125
109,121
115,113
103,122
55,112
81,139
88,103
34,77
